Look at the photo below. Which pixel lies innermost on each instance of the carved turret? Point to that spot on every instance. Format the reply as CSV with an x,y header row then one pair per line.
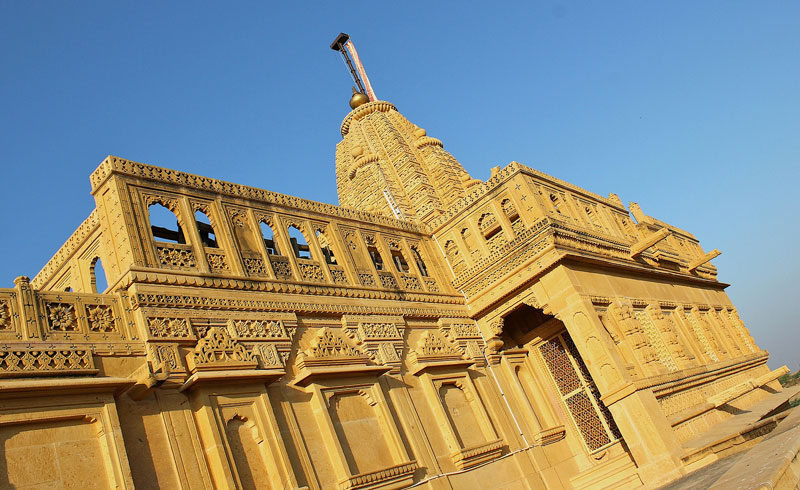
x,y
387,165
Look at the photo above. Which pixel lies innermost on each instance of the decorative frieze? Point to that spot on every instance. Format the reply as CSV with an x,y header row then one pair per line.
x,y
39,362
168,327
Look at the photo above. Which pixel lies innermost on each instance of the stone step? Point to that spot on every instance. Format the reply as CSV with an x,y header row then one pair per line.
x,y
737,433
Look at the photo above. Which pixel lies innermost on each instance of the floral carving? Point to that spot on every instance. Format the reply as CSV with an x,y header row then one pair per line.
x,y
100,318
366,279
168,327
379,331
217,262
62,317
281,267
171,256
255,266
311,271
387,280
465,330
166,355
268,356
259,329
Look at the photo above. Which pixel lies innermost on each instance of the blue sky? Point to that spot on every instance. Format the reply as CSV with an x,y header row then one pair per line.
x,y
691,109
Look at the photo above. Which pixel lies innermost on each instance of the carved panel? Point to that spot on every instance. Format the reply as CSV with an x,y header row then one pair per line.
x,y
338,275
310,270
431,285
30,362
100,318
168,327
366,279
5,316
281,266
176,256
217,350
387,280
258,329
217,261
254,266
411,282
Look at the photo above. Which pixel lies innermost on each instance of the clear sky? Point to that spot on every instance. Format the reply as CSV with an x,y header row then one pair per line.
x,y
691,109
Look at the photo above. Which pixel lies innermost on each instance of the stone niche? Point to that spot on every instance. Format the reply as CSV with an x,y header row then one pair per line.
x,y
68,443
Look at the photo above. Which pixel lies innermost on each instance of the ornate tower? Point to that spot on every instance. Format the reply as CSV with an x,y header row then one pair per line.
x,y
385,164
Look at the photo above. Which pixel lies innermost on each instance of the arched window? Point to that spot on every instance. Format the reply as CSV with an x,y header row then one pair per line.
x,y
164,224
299,244
556,201
207,235
489,226
467,237
420,263
510,210
400,261
592,216
270,240
325,245
451,250
98,276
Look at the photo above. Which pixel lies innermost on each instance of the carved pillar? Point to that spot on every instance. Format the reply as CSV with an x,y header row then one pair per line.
x,y
27,308
621,312
670,336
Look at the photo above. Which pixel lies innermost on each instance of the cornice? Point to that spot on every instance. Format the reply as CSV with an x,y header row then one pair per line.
x,y
203,280
198,302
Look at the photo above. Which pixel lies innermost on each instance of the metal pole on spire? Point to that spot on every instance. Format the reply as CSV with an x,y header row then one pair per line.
x,y
344,45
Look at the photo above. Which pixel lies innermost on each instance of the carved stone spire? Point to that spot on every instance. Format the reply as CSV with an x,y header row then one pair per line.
x,y
385,164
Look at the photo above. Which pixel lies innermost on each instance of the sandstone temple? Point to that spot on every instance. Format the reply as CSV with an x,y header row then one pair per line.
x,y
432,331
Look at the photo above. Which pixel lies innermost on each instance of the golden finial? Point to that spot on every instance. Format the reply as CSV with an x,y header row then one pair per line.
x,y
358,99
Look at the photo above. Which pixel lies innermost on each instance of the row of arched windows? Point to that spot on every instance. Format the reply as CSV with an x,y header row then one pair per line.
x,y
166,227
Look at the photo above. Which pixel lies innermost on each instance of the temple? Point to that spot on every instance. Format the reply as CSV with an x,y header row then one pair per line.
x,y
432,331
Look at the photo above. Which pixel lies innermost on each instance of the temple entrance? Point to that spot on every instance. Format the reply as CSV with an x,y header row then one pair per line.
x,y
551,349
578,392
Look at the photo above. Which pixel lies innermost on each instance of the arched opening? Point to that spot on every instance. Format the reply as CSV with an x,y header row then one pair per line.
x,y
510,210
375,255
556,202
325,245
420,263
207,236
592,216
400,261
467,237
299,244
98,276
164,224
270,240
489,226
547,337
